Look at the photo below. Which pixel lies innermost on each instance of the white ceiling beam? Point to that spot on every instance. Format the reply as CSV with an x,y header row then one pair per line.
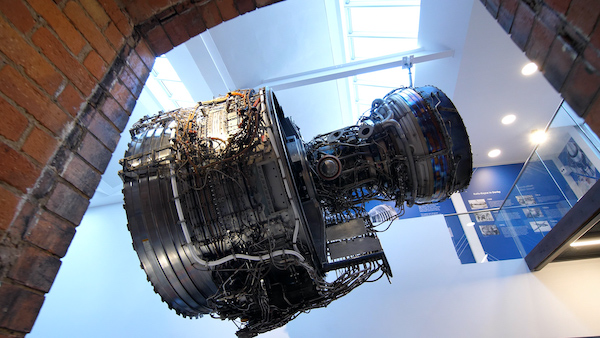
x,y
354,68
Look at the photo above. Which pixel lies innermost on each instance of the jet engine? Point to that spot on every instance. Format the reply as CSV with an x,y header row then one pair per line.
x,y
232,214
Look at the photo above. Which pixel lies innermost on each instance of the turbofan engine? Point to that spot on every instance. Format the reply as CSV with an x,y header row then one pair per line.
x,y
232,214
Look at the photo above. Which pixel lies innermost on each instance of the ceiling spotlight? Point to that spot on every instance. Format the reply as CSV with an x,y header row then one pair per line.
x,y
529,69
494,153
508,119
538,136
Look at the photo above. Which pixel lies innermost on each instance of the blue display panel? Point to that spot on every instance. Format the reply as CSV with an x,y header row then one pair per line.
x,y
488,189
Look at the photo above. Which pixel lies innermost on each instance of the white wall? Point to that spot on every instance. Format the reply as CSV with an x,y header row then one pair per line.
x,y
101,291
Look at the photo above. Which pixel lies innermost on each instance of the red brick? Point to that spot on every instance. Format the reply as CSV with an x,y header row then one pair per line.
x,y
40,145
71,100
64,61
522,25
13,122
94,63
158,40
145,53
176,30
13,85
94,152
89,30
123,96
67,203
263,3
19,50
506,13
551,19
592,55
559,6
35,268
16,169
583,14
227,9
210,15
117,16
137,66
114,36
539,43
59,22
93,8
131,81
583,83
559,62
25,213
592,118
83,176
18,14
19,307
9,202
142,10
117,115
595,37
103,130
50,233
245,6
192,21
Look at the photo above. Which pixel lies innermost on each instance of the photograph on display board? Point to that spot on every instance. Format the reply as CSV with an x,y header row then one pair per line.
x,y
478,204
578,166
489,230
533,212
540,226
485,216
525,199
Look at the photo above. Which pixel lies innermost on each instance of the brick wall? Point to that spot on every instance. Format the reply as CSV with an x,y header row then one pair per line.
x,y
70,74
563,38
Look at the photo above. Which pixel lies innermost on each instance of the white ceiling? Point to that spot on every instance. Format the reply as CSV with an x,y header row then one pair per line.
x,y
483,78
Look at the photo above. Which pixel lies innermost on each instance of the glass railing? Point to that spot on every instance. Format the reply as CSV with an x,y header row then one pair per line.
x,y
496,223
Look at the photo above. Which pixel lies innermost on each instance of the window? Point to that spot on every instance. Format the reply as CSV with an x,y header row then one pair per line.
x,y
373,29
167,87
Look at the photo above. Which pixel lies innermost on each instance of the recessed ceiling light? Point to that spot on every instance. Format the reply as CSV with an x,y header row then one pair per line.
x,y
494,153
538,136
529,69
470,224
508,119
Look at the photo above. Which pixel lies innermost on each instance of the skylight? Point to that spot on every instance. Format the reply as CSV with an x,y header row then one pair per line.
x,y
167,87
373,29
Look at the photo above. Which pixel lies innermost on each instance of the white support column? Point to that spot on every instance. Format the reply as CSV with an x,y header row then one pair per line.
x,y
468,228
354,68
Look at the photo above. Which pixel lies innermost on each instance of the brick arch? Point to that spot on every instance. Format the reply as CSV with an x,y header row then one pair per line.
x,y
71,71
70,74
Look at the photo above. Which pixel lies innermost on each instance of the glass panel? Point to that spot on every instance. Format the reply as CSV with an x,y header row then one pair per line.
x,y
163,69
368,93
559,172
393,77
177,90
365,48
400,21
